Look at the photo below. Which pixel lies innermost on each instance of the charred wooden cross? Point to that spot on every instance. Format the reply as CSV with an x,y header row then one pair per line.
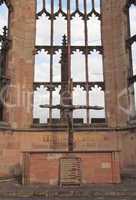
x,y
66,107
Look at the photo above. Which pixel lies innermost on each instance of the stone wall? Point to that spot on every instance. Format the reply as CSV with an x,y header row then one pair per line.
x,y
21,63
116,62
19,136
13,144
71,168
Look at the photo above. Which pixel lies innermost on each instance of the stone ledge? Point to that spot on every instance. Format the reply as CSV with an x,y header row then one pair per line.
x,y
63,129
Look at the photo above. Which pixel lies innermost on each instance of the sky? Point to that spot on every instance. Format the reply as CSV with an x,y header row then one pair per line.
x,y
42,60
3,17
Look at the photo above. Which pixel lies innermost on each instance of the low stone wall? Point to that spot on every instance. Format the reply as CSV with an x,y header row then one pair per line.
x,y
71,168
13,143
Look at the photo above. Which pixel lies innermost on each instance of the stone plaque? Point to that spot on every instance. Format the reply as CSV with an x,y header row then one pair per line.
x,y
106,165
70,171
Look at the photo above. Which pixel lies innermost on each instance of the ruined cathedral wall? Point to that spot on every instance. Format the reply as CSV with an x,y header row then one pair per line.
x,y
21,63
19,136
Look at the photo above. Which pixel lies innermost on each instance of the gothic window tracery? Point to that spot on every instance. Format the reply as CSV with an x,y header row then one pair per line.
x,y
69,33
4,46
131,6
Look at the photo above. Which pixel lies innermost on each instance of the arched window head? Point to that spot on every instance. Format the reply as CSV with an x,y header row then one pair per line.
x,y
69,61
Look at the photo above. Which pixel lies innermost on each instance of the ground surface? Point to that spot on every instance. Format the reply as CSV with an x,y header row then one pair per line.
x,y
11,190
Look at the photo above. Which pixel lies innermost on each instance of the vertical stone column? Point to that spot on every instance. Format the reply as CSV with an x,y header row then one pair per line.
x,y
21,64
121,61
114,30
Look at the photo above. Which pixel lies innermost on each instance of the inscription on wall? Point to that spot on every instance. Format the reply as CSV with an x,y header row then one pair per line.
x,y
94,141
70,171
